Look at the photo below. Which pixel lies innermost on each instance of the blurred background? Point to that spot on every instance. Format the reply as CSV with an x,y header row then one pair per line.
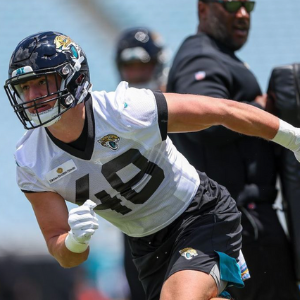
x,y
26,269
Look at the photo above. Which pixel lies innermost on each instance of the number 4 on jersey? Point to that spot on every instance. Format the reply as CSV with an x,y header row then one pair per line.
x,y
109,171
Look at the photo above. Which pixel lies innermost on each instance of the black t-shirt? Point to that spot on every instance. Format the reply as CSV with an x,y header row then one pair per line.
x,y
245,165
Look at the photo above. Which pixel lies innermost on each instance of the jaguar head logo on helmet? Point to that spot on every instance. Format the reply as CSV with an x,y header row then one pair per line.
x,y
56,61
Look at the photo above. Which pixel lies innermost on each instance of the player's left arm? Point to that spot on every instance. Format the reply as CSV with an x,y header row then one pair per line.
x,y
199,112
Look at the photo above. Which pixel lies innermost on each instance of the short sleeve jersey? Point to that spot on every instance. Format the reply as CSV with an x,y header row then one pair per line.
x,y
129,166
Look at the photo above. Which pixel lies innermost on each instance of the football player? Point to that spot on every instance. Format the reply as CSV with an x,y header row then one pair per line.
x,y
109,152
141,58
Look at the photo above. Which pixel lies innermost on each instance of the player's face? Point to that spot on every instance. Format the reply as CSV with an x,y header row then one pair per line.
x,y
137,72
41,89
231,29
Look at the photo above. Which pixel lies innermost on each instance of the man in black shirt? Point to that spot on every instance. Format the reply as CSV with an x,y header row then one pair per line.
x,y
206,64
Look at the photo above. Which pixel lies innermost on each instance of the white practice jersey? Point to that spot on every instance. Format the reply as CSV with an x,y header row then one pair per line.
x,y
129,166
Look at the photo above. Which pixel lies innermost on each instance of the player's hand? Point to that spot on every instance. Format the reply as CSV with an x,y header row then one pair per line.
x,y
296,144
288,136
83,223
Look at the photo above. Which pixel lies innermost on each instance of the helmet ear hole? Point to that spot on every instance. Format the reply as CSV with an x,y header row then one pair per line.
x,y
80,79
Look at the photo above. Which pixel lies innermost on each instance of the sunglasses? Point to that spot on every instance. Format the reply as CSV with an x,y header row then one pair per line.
x,y
234,6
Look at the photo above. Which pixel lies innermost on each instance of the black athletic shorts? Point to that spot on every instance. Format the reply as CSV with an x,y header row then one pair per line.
x,y
211,223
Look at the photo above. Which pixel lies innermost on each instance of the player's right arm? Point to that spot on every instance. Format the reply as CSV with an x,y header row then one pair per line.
x,y
52,215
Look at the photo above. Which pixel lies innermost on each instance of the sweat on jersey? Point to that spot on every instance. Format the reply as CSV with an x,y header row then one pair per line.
x,y
129,166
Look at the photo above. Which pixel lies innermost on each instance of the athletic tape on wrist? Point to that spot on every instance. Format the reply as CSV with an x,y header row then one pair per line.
x,y
286,136
73,245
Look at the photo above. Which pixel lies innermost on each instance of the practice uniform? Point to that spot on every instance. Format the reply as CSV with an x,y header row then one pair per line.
x,y
141,184
245,165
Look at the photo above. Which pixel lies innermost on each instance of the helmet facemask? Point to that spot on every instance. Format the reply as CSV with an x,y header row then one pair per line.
x,y
29,112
